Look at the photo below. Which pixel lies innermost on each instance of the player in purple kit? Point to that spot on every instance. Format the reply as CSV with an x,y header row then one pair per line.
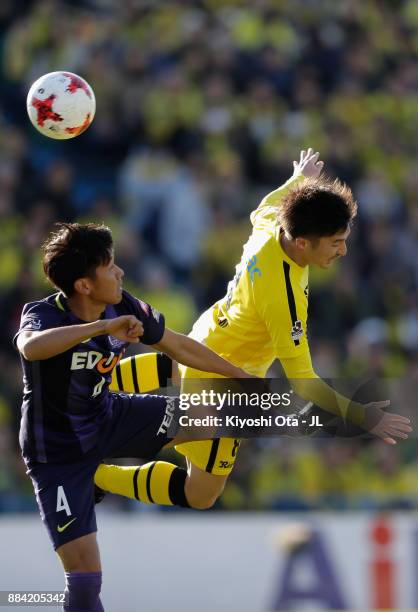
x,y
69,344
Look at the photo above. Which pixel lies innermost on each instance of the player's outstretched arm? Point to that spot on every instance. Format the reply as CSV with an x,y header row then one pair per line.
x,y
370,417
38,345
187,351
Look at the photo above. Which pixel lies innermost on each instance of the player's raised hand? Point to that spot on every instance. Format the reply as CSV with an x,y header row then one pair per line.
x,y
126,328
389,426
309,164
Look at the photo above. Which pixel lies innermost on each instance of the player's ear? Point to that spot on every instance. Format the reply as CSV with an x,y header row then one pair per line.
x,y
82,286
301,243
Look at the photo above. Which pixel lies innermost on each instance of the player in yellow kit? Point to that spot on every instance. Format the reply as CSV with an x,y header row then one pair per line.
x,y
264,316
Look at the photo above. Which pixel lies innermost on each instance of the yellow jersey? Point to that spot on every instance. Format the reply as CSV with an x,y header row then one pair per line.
x,y
264,313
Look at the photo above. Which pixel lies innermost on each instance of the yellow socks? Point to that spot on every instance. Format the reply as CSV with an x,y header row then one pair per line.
x,y
157,482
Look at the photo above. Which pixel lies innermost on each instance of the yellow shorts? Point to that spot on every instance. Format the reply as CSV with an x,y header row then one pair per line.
x,y
213,456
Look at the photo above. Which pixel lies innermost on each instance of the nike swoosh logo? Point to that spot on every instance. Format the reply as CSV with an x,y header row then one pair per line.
x,y
61,529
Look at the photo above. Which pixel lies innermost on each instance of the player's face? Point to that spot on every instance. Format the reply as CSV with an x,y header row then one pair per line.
x,y
328,249
106,287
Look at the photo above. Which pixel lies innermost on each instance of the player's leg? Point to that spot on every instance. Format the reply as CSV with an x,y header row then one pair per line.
x,y
163,483
81,554
155,482
65,498
209,464
140,428
83,574
203,489
144,373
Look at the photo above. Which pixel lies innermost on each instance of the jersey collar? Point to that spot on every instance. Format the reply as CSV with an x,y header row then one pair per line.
x,y
285,256
61,303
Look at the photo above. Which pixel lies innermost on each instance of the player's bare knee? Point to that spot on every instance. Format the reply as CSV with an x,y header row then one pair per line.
x,y
201,501
81,565
80,555
203,495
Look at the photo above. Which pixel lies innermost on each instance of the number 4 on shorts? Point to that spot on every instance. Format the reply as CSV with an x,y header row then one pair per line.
x,y
62,502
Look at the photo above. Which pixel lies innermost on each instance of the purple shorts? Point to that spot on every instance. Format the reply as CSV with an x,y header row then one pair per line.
x,y
65,491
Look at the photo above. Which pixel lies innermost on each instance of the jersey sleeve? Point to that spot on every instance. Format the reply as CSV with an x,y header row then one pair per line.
x,y
37,316
277,305
299,367
152,320
266,213
308,385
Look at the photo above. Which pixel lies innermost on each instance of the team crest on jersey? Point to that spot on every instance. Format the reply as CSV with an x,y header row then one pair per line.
x,y
297,331
33,322
115,342
252,269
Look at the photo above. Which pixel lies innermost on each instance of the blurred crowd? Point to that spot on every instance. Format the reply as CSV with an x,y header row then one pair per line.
x,y
201,107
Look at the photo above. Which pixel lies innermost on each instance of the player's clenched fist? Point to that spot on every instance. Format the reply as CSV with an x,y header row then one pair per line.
x,y
126,328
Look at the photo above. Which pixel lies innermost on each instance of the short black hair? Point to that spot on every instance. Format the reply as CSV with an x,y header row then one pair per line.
x,y
74,251
317,208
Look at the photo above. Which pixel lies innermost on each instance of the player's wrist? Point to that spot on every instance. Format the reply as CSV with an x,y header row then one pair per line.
x,y
356,413
366,416
372,417
98,328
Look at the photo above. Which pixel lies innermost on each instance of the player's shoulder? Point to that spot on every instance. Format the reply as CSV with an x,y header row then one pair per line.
x,y
48,305
153,320
130,304
42,314
265,243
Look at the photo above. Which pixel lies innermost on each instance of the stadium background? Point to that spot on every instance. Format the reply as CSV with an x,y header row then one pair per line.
x,y
201,108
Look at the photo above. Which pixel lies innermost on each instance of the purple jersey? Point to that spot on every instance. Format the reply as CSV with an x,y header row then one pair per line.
x,y
66,400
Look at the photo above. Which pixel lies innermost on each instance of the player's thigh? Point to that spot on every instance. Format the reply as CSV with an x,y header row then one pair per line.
x,y
215,456
65,496
140,425
80,555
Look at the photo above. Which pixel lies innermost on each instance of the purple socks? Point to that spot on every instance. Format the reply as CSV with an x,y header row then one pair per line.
x,y
82,592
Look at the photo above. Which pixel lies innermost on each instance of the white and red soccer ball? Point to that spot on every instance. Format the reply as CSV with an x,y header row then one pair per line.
x,y
61,105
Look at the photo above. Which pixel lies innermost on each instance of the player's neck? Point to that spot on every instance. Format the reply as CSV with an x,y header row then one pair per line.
x,y
292,251
85,309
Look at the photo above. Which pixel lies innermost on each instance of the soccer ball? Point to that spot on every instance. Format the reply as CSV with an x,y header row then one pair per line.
x,y
61,105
